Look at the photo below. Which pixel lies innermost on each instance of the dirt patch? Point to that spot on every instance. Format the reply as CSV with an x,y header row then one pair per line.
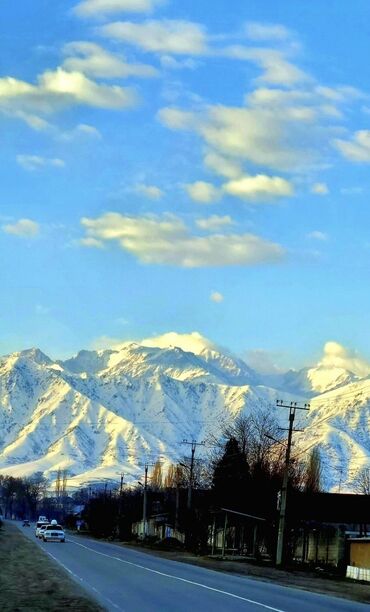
x,y
30,581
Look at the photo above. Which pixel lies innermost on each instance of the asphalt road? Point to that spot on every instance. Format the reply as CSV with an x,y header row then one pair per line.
x,y
131,581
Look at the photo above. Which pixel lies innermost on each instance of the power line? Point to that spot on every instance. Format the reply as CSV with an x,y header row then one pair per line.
x,y
293,407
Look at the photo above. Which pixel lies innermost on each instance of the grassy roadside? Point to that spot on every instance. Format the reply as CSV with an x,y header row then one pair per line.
x,y
30,581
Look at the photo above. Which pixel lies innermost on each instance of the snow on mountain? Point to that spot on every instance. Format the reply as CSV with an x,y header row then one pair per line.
x,y
313,381
336,368
339,425
105,411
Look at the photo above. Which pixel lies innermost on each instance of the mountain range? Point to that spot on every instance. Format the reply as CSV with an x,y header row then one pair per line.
x,y
103,412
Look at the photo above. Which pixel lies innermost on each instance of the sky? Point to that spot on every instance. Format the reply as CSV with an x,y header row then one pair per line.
x,y
185,166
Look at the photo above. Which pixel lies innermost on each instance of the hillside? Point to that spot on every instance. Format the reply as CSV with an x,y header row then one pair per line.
x,y
103,412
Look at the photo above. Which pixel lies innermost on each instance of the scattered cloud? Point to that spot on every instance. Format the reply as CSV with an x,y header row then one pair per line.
x,y
91,243
168,62
266,31
57,89
265,362
94,8
149,191
337,356
92,60
168,241
216,297
24,228
317,235
357,149
222,165
320,189
193,342
267,137
168,36
277,69
82,129
203,192
259,187
35,162
214,222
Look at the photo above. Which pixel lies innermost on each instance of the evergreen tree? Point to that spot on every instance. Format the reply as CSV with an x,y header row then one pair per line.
x,y
231,477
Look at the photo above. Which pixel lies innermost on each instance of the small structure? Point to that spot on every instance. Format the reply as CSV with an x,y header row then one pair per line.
x,y
234,532
157,526
359,555
322,525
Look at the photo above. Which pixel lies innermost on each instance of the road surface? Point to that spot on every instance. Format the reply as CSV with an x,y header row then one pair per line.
x,y
127,580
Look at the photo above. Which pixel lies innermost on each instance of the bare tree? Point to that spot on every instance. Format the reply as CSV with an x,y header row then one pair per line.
x,y
259,438
362,482
156,479
313,472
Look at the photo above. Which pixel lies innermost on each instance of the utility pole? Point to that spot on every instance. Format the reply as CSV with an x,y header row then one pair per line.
x,y
293,407
194,445
120,495
145,504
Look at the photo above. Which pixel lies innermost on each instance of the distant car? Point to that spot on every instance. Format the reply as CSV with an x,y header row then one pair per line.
x,y
53,533
26,523
39,526
42,519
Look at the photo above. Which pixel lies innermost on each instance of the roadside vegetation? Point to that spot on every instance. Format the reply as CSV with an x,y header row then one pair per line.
x,y
30,581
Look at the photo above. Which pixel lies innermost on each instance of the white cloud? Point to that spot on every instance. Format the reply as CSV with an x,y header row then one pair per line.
x,y
160,36
35,162
56,89
82,129
193,342
265,362
171,63
92,60
24,228
150,191
203,192
177,119
320,189
216,297
214,222
317,235
266,31
91,243
267,137
222,165
93,8
358,148
85,91
277,69
259,187
168,241
337,356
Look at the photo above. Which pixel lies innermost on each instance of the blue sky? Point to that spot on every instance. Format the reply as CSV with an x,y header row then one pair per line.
x,y
177,166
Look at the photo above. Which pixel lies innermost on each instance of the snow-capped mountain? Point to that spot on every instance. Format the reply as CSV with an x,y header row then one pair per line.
x,y
107,411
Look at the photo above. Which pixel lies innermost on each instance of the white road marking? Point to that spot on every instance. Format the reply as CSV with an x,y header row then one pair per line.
x,y
82,580
198,584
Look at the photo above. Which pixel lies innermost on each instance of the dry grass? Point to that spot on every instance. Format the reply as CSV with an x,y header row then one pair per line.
x,y
30,581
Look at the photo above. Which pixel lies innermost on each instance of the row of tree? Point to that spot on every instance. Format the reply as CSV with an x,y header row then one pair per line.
x,y
243,471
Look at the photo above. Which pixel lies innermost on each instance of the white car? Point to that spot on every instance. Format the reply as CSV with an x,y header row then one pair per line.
x,y
39,526
53,533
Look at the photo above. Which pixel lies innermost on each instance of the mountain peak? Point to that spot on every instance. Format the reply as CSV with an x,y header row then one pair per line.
x,y
193,342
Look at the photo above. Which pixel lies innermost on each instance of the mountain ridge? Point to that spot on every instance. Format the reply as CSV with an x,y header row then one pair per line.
x,y
105,411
